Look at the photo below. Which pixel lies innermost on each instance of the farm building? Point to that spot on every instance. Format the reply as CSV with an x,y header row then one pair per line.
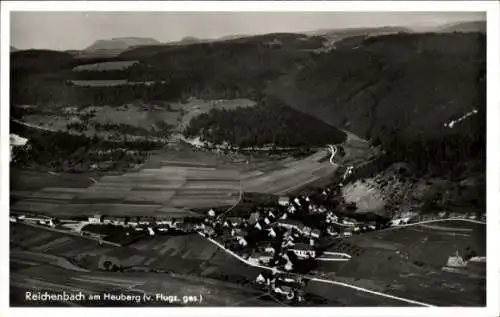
x,y
303,250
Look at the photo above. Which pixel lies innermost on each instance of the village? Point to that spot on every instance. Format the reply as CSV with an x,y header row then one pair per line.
x,y
285,240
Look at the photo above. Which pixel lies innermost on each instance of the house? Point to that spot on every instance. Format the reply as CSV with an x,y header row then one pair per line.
x,y
270,250
456,261
242,241
303,251
291,209
331,232
283,201
236,232
254,217
133,221
209,231
315,233
162,227
119,221
106,220
271,215
261,279
47,222
144,221
13,219
95,219
235,221
260,258
272,233
267,221
211,213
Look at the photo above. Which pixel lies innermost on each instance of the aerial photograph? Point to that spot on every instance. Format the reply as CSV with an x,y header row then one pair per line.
x,y
247,159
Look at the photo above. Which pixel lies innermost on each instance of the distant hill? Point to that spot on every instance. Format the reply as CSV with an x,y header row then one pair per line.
x,y
465,27
338,34
117,45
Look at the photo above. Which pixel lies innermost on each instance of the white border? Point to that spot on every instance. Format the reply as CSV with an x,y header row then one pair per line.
x,y
493,171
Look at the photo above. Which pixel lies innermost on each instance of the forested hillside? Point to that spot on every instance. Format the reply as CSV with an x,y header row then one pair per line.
x,y
396,89
268,123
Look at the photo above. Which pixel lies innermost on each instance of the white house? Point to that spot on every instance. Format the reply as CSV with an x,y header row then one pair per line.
x,y
242,241
211,213
284,201
12,219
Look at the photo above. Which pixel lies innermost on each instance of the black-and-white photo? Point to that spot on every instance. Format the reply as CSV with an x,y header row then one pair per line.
x,y
247,159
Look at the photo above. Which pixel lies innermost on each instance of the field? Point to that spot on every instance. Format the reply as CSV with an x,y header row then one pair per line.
x,y
287,175
409,261
181,254
45,260
115,65
99,83
147,117
209,292
174,180
190,265
170,190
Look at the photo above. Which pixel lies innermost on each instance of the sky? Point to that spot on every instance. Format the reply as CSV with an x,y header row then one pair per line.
x,y
78,30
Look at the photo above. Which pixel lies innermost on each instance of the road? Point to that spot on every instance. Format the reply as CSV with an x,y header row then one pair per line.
x,y
333,149
410,301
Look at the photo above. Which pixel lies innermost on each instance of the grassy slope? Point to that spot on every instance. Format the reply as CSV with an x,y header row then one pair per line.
x,y
407,262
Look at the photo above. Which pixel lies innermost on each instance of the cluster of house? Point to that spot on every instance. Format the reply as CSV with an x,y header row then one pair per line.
x,y
32,219
286,286
149,224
